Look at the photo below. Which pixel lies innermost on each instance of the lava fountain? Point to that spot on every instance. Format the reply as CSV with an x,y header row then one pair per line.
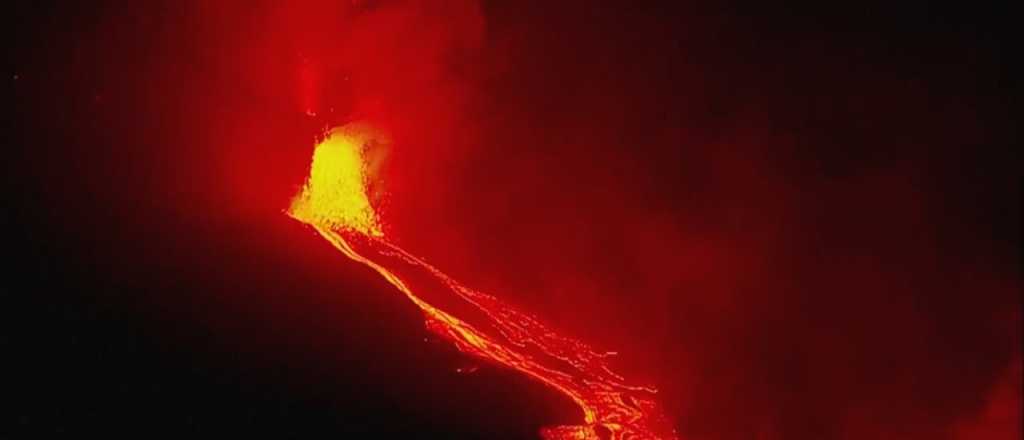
x,y
335,202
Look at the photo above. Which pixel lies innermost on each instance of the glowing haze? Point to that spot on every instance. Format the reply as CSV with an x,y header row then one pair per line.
x,y
335,202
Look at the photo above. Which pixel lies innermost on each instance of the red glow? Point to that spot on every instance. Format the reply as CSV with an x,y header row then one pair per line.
x,y
794,231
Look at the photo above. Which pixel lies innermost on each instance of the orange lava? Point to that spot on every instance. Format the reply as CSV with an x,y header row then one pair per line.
x,y
335,203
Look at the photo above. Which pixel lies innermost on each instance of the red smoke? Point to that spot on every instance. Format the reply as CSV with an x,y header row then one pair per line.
x,y
783,274
802,236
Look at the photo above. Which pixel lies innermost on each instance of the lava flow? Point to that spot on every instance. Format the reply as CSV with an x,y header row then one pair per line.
x,y
335,202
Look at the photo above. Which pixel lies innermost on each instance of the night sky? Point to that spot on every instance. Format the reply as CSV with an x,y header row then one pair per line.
x,y
798,221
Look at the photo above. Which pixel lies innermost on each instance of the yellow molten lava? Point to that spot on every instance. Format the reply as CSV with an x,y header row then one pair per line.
x,y
335,195
335,203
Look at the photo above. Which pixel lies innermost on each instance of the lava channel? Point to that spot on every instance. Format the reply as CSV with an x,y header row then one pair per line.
x,y
334,201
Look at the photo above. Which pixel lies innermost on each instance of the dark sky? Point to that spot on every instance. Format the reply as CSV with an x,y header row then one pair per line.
x,y
800,221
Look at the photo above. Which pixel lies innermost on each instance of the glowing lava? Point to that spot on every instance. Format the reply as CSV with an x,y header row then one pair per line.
x,y
335,195
335,203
